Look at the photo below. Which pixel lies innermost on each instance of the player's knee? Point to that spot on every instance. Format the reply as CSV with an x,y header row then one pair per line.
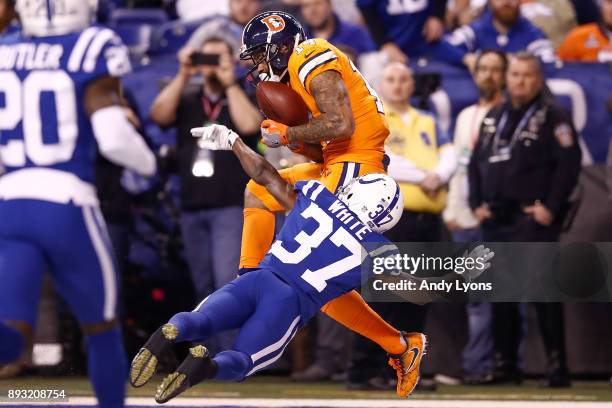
x,y
251,200
232,365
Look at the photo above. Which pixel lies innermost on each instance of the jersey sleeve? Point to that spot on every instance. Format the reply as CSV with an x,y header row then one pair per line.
x,y
107,55
311,58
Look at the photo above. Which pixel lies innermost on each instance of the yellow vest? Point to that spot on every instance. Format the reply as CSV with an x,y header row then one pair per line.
x,y
415,136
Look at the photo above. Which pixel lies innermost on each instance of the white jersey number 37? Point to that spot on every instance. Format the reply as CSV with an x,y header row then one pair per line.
x,y
340,238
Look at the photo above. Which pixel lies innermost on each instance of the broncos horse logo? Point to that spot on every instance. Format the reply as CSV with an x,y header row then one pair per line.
x,y
274,23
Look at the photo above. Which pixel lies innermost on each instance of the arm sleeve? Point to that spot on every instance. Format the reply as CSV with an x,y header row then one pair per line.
x,y
568,157
321,60
453,47
403,170
543,49
107,55
447,164
120,143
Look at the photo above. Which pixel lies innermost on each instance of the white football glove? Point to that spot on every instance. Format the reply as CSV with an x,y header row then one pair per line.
x,y
215,137
485,254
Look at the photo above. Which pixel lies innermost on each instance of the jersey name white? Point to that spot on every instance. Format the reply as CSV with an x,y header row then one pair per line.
x,y
347,218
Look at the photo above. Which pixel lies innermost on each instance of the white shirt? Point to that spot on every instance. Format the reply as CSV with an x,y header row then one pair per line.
x,y
466,135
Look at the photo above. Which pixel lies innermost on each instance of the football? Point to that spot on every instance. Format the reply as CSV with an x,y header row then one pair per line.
x,y
279,102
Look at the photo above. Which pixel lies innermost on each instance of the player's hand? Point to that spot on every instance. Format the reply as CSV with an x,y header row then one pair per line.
x,y
483,212
470,61
394,53
225,70
186,69
433,29
484,255
274,134
431,184
540,213
215,137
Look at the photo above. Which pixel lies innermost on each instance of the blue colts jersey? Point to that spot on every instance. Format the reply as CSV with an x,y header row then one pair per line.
x,y
43,123
320,249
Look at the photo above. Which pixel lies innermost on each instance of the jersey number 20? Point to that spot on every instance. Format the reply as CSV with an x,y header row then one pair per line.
x,y
340,238
23,104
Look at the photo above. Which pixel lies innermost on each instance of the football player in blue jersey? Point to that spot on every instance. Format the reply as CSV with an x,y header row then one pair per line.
x,y
60,87
318,256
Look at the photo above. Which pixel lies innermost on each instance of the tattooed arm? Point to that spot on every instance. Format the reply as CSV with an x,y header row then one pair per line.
x,y
336,119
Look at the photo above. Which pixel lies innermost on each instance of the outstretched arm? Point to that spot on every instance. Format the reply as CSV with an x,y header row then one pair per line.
x,y
262,172
218,137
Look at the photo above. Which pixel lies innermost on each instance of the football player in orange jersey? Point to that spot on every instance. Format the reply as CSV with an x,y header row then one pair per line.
x,y
345,139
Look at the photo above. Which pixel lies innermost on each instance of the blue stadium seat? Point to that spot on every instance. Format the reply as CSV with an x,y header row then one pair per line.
x,y
172,36
136,37
151,16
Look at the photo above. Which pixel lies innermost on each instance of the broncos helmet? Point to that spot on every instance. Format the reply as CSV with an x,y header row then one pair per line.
x,y
270,37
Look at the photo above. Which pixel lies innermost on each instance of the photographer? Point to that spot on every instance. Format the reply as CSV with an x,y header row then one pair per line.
x,y
212,183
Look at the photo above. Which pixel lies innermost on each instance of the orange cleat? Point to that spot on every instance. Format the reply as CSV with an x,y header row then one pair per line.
x,y
407,364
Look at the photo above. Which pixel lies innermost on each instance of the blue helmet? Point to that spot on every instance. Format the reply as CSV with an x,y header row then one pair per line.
x,y
270,37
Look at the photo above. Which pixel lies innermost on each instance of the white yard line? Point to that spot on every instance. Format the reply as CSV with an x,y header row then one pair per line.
x,y
332,403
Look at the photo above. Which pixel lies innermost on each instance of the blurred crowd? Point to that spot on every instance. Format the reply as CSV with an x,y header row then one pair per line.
x,y
506,171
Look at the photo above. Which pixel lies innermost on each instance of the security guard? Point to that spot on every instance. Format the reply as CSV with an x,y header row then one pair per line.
x,y
523,169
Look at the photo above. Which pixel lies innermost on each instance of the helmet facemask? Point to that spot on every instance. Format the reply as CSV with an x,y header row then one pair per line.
x,y
273,56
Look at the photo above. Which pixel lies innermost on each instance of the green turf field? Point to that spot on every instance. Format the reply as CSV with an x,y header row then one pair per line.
x,y
278,387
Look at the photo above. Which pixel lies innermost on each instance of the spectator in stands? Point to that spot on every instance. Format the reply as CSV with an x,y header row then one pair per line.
x,y
489,75
320,21
404,29
555,18
230,27
212,183
522,171
501,27
422,161
8,17
590,42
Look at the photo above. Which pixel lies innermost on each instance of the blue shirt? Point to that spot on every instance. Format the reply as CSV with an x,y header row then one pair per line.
x,y
482,34
348,35
321,248
403,22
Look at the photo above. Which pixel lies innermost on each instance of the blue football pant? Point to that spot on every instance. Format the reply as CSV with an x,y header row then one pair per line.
x,y
262,306
72,244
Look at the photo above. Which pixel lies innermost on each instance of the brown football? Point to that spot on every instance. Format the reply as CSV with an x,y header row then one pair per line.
x,y
279,102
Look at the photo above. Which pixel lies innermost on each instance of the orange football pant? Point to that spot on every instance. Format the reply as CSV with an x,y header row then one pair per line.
x,y
258,232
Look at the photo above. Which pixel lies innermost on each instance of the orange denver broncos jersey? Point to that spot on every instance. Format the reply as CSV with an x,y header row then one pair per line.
x,y
366,145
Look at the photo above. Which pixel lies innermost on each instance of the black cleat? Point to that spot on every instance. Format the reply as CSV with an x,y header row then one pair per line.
x,y
144,364
197,367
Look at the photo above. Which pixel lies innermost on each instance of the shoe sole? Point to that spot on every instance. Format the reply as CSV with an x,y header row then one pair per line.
x,y
184,376
171,386
143,368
